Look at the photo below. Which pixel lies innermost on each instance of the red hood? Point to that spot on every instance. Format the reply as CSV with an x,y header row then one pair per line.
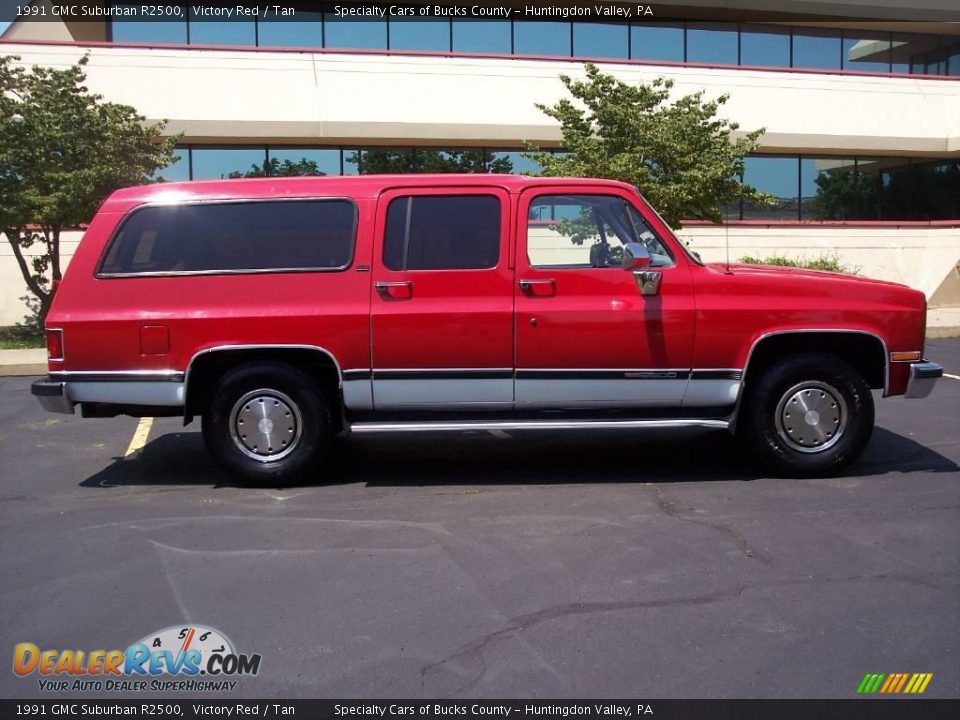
x,y
781,271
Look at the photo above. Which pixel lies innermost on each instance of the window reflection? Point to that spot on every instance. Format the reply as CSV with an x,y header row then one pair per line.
x,y
828,189
223,163
657,41
541,38
305,31
936,193
487,36
378,161
816,49
354,34
430,160
416,34
777,176
869,53
178,171
518,164
712,43
765,45
600,40
305,161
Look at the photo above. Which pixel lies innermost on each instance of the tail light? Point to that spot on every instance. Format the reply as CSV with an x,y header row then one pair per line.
x,y
55,344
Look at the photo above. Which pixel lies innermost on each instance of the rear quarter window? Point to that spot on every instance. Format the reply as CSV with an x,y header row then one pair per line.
x,y
233,237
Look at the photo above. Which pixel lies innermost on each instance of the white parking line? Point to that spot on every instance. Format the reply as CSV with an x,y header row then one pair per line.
x,y
500,434
140,436
952,377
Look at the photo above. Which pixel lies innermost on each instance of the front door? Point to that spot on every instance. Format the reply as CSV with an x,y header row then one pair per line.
x,y
586,336
442,306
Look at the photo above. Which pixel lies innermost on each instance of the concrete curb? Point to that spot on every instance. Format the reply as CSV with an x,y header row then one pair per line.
x,y
22,370
28,361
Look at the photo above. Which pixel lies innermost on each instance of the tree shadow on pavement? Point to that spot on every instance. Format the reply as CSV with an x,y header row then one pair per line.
x,y
532,458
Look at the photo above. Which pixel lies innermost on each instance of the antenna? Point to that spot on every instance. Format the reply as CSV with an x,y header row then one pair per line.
x,y
726,242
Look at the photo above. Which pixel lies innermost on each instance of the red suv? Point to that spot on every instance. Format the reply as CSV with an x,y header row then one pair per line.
x,y
286,311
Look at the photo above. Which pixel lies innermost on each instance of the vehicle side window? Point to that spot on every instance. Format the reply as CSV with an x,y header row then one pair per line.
x,y
234,237
587,231
442,232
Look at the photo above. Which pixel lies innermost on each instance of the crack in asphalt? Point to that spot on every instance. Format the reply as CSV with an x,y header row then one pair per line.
x,y
475,649
667,507
523,622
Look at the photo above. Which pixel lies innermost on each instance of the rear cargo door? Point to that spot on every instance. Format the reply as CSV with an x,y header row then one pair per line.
x,y
442,307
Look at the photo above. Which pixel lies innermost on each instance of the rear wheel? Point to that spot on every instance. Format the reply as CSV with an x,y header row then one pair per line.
x,y
807,416
268,424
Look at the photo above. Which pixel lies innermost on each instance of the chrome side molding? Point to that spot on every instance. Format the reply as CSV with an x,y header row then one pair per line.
x,y
460,425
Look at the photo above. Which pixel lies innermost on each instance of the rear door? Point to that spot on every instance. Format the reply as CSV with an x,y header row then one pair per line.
x,y
442,305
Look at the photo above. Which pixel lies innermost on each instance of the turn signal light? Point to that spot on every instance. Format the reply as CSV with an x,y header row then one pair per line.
x,y
55,344
904,356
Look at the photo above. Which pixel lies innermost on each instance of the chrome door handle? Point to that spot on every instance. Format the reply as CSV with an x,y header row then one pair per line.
x,y
396,290
546,287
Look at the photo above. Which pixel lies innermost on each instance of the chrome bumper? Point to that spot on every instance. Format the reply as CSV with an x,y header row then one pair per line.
x,y
923,376
53,396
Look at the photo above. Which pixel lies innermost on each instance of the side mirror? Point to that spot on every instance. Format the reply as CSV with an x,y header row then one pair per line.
x,y
635,257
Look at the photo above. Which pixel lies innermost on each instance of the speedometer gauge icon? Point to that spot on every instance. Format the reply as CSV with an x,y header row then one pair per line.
x,y
183,638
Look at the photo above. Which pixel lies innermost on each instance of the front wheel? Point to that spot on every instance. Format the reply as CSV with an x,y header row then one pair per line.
x,y
268,424
807,416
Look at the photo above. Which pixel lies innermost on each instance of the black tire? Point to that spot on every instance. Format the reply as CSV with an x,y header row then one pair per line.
x,y
799,443
299,424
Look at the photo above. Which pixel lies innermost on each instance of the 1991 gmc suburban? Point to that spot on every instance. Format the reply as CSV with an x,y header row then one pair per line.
x,y
285,311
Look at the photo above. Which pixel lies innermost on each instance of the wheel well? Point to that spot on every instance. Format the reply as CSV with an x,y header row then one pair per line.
x,y
866,353
207,368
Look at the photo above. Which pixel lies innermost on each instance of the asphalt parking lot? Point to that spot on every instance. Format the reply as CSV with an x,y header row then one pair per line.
x,y
479,565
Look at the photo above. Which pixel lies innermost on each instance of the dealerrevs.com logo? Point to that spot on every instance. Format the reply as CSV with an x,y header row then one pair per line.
x,y
189,659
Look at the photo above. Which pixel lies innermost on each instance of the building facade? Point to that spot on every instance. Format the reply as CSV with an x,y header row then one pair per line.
x,y
862,114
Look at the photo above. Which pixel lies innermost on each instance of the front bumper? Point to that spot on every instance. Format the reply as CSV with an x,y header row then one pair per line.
x,y
53,396
923,376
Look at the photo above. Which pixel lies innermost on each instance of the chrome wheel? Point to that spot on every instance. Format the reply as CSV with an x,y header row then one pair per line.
x,y
266,425
811,416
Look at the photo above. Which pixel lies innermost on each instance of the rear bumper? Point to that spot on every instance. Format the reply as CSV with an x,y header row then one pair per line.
x,y
53,396
923,376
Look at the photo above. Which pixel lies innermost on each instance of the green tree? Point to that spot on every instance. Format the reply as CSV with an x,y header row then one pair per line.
x,y
62,152
680,155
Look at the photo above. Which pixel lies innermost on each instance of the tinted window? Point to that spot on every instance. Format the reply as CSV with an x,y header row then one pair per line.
x,y
224,163
766,46
287,162
656,42
541,38
406,34
600,40
160,31
363,34
712,43
491,36
778,176
291,235
442,233
221,32
866,52
280,31
828,189
816,49
587,231
179,170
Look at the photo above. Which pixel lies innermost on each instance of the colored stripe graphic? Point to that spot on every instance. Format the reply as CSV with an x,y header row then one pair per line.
x,y
894,683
